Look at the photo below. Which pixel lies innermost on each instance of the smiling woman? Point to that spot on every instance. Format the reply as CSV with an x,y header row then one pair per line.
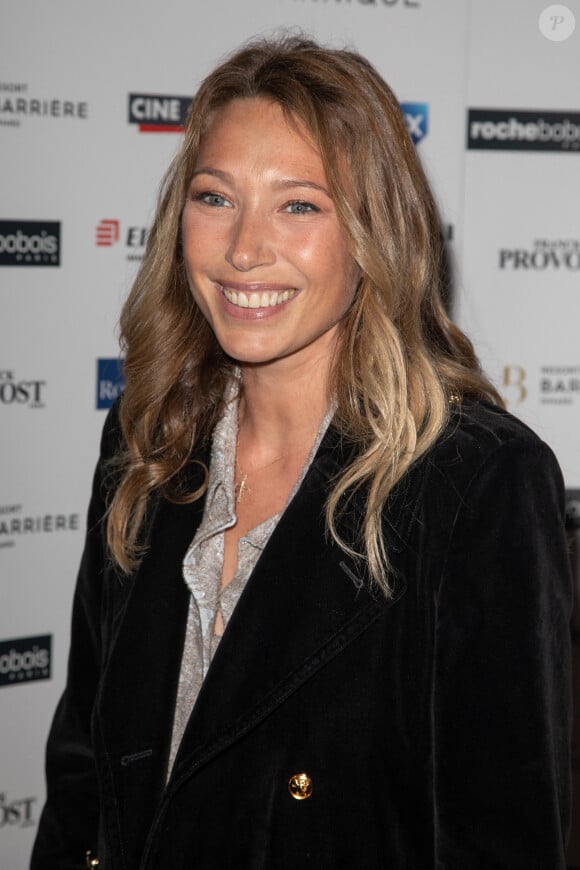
x,y
322,612
265,252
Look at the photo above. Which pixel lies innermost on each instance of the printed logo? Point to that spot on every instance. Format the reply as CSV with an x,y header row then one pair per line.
x,y
16,106
110,381
25,659
158,113
416,119
29,243
544,254
557,22
517,130
555,385
17,812
514,386
559,385
107,233
20,392
135,242
15,524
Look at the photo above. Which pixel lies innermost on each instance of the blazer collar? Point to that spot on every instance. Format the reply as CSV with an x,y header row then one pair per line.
x,y
304,603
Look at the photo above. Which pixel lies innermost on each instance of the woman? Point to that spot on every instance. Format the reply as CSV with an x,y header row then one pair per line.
x,y
322,613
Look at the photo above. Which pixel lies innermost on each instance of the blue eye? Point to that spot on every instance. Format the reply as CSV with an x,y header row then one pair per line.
x,y
213,199
299,206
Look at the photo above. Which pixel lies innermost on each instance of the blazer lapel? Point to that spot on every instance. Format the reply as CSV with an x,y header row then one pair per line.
x,y
304,603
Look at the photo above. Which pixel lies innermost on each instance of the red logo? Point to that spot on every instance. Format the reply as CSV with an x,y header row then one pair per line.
x,y
107,233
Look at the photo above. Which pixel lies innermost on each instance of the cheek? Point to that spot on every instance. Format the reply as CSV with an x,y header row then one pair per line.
x,y
202,300
193,242
319,255
335,266
201,239
193,267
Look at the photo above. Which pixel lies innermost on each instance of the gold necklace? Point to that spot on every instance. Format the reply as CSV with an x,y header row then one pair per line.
x,y
243,489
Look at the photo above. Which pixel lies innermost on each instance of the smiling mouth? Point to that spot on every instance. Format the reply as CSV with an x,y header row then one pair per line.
x,y
258,299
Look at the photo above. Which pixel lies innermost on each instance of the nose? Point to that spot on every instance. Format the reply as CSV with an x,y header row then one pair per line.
x,y
251,243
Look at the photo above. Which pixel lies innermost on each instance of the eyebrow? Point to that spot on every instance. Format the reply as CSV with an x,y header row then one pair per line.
x,y
299,182
283,184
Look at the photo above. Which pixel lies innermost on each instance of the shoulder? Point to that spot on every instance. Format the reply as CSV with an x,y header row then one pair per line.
x,y
484,460
479,435
479,428
481,439
487,457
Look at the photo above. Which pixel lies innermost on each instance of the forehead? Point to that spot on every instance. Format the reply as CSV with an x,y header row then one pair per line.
x,y
254,128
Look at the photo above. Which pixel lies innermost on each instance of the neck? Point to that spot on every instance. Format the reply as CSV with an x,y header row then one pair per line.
x,y
282,407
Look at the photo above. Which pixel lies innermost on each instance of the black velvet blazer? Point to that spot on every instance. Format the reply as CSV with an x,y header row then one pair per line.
x,y
433,729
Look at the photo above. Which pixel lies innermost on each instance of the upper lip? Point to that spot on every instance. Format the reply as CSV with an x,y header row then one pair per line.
x,y
256,287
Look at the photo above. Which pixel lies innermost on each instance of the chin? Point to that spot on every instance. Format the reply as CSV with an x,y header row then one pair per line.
x,y
245,355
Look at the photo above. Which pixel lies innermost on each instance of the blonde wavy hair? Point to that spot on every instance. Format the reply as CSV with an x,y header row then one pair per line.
x,y
400,360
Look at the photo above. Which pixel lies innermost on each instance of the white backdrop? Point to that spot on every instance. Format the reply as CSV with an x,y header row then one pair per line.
x,y
78,186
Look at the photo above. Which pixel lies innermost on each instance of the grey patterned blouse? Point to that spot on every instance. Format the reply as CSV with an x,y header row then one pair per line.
x,y
203,562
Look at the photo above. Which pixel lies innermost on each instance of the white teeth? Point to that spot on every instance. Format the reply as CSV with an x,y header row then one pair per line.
x,y
265,299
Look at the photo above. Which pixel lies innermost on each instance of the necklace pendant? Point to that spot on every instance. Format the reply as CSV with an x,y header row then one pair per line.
x,y
242,489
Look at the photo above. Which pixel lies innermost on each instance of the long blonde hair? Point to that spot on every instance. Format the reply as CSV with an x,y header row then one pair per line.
x,y
400,359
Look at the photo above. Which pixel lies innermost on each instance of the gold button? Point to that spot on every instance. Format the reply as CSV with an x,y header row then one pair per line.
x,y
91,862
300,786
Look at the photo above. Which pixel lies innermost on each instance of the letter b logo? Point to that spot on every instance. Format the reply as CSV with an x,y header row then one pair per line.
x,y
514,389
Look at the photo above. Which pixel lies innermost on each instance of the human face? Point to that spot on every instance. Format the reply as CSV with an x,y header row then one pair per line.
x,y
265,254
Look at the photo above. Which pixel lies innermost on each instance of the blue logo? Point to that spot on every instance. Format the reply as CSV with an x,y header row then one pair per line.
x,y
417,120
110,381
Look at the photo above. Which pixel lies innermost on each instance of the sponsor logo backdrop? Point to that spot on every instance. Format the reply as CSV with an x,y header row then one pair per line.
x,y
492,107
